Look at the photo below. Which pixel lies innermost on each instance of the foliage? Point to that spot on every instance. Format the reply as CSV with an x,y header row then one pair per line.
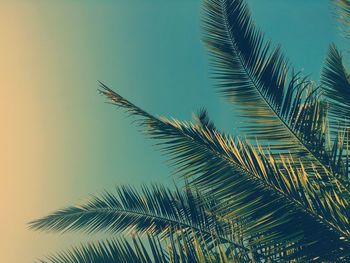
x,y
279,195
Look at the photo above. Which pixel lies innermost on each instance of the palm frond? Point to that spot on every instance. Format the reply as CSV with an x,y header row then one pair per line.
x,y
342,8
336,88
252,74
277,208
154,211
177,249
282,108
336,85
202,119
284,200
114,251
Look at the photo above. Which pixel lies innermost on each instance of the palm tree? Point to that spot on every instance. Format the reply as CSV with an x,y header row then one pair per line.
x,y
279,194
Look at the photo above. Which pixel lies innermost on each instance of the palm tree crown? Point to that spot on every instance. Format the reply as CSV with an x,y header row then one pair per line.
x,y
280,193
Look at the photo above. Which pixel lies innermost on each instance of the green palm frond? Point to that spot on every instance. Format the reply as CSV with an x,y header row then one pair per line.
x,y
202,119
335,80
154,211
114,251
177,249
282,108
336,88
342,8
253,75
276,208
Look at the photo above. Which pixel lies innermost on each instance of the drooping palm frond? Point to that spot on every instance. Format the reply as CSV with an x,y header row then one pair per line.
x,y
155,211
252,74
336,85
115,251
342,8
287,213
283,108
177,249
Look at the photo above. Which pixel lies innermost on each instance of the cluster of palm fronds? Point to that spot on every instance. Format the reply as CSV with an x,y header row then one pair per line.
x,y
283,197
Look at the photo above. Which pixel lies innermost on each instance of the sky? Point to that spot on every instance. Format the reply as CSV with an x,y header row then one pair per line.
x,y
60,142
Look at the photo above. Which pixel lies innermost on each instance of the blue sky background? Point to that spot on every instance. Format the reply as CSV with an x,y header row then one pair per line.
x,y
62,142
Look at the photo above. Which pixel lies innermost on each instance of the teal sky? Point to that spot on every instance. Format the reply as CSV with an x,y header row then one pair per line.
x,y
63,142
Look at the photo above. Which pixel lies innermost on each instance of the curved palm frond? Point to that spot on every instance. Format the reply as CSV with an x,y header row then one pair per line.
x,y
285,111
176,250
335,80
277,208
342,8
336,86
114,251
154,211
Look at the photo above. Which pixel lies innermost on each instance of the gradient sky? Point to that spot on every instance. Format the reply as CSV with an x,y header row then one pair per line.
x,y
60,142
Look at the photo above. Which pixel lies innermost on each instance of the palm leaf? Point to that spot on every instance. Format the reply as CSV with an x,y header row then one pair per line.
x,y
282,108
336,85
202,119
154,211
288,212
120,251
342,8
252,75
176,250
